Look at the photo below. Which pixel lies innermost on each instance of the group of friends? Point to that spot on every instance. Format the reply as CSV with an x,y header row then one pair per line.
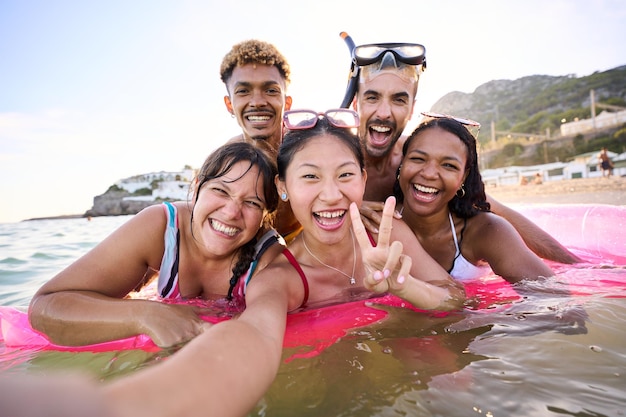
x,y
303,209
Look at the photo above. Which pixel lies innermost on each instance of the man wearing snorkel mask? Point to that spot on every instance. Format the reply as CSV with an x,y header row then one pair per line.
x,y
385,98
385,77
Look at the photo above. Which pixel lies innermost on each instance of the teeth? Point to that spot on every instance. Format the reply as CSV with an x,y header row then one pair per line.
x,y
423,189
222,228
330,214
381,129
258,118
329,217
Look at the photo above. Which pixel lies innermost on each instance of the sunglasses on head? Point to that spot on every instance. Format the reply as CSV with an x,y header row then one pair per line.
x,y
409,53
463,121
307,119
471,125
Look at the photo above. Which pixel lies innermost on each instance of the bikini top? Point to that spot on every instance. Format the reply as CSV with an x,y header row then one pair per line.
x,y
168,285
462,269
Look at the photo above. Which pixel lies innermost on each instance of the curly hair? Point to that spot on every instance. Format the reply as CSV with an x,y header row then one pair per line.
x,y
254,52
474,200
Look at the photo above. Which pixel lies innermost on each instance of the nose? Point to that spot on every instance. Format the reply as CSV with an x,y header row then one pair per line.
x,y
258,98
383,111
232,209
429,170
331,192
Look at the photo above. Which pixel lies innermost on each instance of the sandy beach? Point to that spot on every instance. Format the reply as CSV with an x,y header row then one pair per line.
x,y
577,191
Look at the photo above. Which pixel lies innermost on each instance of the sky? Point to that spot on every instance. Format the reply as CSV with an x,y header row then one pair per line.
x,y
95,91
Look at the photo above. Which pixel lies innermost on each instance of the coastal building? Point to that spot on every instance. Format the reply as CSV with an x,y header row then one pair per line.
x,y
581,166
603,120
164,185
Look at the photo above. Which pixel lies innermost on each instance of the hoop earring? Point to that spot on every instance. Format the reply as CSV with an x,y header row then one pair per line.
x,y
462,190
283,197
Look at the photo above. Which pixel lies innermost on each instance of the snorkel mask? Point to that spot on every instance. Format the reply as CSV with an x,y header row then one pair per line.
x,y
405,60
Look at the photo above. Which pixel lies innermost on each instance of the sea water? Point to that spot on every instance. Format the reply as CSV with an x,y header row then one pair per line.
x,y
559,349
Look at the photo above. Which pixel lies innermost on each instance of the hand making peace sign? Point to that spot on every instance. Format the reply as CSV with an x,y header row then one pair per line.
x,y
386,266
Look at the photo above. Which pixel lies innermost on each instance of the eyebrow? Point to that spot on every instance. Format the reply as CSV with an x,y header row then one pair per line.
x,y
226,184
453,158
268,83
342,165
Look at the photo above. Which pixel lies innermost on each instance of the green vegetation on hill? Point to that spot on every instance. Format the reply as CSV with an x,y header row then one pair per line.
x,y
535,105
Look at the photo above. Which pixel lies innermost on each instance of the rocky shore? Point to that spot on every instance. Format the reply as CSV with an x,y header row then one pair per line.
x,y
112,203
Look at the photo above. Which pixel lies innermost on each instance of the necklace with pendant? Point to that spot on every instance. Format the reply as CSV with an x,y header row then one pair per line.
x,y
350,277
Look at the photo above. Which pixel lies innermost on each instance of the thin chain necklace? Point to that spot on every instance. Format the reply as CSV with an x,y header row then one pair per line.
x,y
350,277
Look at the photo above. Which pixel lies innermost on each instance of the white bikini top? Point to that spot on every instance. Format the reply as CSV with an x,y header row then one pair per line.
x,y
462,269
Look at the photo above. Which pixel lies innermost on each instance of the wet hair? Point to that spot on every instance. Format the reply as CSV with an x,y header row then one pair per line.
x,y
474,200
294,140
254,52
218,164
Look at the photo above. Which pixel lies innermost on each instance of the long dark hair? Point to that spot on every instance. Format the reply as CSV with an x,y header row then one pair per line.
x,y
218,164
474,200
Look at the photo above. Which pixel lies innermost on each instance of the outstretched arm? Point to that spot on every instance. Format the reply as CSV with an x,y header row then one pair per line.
x,y
418,278
223,372
540,242
84,303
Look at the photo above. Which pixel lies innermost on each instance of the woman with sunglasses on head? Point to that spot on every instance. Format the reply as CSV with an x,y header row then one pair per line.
x,y
321,172
443,201
199,248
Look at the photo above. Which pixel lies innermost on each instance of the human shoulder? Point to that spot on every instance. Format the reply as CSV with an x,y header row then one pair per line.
x,y
485,232
279,276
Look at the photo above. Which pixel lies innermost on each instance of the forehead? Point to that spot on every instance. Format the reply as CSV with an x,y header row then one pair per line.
x,y
325,147
239,171
438,139
256,74
388,83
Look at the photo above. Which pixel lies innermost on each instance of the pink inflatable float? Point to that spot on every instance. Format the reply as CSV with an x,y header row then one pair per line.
x,y
594,232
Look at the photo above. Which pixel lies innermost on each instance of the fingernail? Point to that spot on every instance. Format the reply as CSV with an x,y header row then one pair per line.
x,y
401,279
387,272
378,276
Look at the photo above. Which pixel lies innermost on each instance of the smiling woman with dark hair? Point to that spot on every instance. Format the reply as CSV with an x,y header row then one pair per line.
x,y
443,201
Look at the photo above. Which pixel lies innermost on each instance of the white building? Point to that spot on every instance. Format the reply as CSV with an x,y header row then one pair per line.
x,y
601,121
582,166
170,185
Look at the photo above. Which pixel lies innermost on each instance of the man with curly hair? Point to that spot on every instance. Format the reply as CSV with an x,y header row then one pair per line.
x,y
256,76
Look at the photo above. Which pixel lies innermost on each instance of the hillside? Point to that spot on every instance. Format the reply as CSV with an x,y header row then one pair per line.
x,y
536,104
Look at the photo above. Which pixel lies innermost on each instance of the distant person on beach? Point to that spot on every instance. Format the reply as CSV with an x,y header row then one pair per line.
x,y
443,201
538,179
523,180
605,163
200,248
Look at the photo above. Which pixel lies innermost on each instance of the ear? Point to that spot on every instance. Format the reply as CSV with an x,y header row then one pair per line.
x,y
288,101
280,185
229,105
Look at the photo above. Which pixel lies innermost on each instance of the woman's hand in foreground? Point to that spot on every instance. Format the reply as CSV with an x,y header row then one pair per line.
x,y
371,215
170,324
386,266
